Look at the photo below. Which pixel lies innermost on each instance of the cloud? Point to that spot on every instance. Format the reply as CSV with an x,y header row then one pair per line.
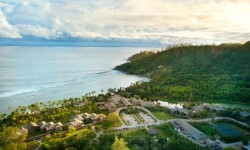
x,y
162,20
6,29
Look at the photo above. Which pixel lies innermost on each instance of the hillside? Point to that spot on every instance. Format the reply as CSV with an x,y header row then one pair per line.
x,y
193,73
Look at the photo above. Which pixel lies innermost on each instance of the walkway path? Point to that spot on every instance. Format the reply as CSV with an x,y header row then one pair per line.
x,y
124,126
40,144
162,121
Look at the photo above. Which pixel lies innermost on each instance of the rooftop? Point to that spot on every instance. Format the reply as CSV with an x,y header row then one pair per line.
x,y
244,114
152,131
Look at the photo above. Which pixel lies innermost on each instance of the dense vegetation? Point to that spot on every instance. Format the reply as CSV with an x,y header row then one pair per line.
x,y
193,73
140,139
59,111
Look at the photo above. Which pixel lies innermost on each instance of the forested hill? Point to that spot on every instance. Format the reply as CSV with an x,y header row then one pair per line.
x,y
193,73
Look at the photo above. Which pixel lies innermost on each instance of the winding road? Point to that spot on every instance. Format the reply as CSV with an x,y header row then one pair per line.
x,y
127,127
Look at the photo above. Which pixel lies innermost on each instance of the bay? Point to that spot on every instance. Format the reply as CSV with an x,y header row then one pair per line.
x,y
40,74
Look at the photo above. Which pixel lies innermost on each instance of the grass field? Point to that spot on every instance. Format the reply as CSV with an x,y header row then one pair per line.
x,y
206,128
162,115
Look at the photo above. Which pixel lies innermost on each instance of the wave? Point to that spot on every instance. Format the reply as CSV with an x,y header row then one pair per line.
x,y
103,72
87,78
16,92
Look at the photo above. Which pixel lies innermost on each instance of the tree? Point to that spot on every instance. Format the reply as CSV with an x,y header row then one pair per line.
x,y
173,145
119,144
244,140
82,139
113,118
72,129
10,139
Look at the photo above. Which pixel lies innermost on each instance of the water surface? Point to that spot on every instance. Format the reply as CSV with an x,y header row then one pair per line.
x,y
35,74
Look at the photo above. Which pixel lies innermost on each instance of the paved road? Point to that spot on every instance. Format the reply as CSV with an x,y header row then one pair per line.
x,y
158,122
236,144
216,118
161,121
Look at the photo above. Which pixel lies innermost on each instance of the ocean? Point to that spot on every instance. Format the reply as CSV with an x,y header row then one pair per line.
x,y
42,74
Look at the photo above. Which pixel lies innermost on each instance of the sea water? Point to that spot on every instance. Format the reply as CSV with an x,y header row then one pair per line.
x,y
41,74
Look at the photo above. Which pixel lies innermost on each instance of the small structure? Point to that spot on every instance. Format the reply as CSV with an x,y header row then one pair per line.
x,y
42,125
101,105
244,114
134,102
198,108
93,117
101,117
49,127
111,107
78,117
116,100
152,131
58,126
32,127
214,108
198,135
182,111
101,98
119,101
74,119
125,102
145,103
81,104
22,130
85,115
210,143
76,124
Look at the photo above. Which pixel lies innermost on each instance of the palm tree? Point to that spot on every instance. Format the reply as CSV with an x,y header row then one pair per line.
x,y
59,103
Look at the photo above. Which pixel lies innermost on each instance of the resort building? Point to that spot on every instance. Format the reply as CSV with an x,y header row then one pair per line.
x,y
198,108
42,125
209,107
32,127
214,108
244,114
145,103
181,111
111,107
58,126
93,116
49,127
22,130
76,124
126,102
74,119
101,105
78,117
85,115
152,131
134,102
116,100
101,117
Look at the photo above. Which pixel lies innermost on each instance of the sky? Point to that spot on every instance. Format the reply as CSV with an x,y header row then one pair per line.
x,y
157,21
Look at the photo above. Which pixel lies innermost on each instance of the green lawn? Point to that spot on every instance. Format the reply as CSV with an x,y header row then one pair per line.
x,y
35,133
206,128
162,115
